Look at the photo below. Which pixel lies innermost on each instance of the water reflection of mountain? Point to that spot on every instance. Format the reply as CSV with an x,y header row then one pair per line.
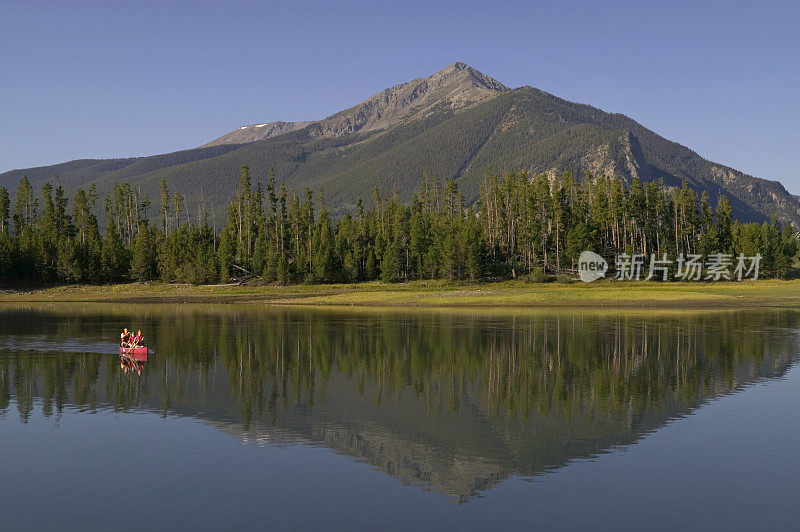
x,y
452,402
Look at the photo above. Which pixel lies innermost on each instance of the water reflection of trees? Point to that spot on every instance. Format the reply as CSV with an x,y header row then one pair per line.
x,y
540,363
509,366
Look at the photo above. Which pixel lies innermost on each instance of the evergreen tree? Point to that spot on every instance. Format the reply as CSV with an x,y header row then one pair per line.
x,y
724,225
390,263
48,233
143,262
323,250
5,204
577,242
164,209
788,249
88,242
24,206
7,253
282,273
114,263
709,239
371,266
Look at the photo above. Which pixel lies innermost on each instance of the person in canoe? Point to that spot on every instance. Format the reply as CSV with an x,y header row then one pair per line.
x,y
125,338
138,340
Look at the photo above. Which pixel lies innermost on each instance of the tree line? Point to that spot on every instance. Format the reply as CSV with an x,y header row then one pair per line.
x,y
522,227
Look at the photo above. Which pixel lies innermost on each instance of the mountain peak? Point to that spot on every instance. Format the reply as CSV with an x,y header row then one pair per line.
x,y
455,86
463,71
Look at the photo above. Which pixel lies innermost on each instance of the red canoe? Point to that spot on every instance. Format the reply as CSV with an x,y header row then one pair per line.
x,y
137,353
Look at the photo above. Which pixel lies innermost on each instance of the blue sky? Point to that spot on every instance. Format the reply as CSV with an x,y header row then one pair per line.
x,y
110,79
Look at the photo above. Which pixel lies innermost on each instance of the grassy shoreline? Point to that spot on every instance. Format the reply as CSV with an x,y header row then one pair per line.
x,y
513,294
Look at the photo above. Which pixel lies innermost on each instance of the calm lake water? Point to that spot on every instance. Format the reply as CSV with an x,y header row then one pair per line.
x,y
281,418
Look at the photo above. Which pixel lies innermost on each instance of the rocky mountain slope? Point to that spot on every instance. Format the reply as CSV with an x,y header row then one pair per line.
x,y
457,85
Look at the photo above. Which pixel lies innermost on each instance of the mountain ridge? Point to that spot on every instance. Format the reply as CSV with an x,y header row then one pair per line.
x,y
455,123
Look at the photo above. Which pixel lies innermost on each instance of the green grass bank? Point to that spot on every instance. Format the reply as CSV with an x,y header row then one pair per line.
x,y
519,294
